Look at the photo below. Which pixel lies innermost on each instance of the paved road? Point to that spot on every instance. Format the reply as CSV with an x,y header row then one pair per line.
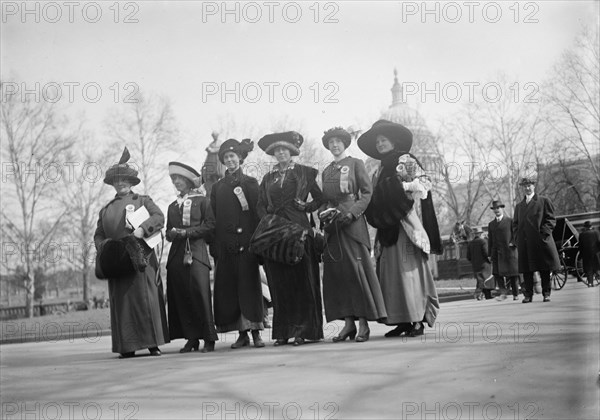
x,y
486,359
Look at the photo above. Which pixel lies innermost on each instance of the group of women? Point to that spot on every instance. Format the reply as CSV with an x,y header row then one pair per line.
x,y
397,290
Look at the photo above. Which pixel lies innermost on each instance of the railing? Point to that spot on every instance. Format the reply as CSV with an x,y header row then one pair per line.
x,y
15,312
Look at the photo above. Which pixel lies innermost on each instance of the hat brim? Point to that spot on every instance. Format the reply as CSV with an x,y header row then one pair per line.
x,y
527,182
133,180
270,149
501,206
400,136
185,171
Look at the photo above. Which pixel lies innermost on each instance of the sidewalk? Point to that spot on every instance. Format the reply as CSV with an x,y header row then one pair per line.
x,y
482,359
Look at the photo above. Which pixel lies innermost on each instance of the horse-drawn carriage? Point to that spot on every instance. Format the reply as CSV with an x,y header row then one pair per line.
x,y
566,238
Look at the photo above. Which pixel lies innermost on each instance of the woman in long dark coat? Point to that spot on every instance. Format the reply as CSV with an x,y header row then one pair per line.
x,y
137,310
238,291
295,289
351,289
189,221
399,183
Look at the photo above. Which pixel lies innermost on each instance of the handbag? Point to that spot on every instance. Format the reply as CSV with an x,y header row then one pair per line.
x,y
188,258
278,239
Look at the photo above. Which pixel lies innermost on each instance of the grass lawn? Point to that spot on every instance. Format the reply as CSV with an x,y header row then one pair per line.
x,y
67,326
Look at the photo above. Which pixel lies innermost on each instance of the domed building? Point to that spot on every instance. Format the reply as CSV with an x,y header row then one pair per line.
x,y
400,112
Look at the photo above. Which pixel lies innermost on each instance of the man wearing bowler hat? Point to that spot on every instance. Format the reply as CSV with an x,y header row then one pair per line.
x,y
503,251
533,224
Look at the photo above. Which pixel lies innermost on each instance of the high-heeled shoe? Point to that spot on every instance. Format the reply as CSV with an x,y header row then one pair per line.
x,y
191,345
342,337
209,346
361,338
242,341
281,342
417,330
154,351
403,328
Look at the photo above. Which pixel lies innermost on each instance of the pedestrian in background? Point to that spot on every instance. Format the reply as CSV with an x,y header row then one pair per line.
x,y
477,253
589,247
503,252
533,224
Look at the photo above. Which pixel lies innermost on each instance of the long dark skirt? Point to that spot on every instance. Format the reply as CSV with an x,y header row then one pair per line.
x,y
238,292
138,319
296,295
350,285
189,299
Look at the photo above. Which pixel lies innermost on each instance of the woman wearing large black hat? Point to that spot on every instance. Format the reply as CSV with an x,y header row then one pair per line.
x,y
400,183
137,310
351,289
238,290
295,289
190,225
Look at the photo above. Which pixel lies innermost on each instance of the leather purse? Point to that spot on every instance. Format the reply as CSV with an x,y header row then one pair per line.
x,y
188,258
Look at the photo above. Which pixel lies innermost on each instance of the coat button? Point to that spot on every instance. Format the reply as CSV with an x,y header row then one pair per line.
x,y
239,230
241,249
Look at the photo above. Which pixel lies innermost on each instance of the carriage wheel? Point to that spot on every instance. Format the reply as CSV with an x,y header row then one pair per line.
x,y
558,278
579,267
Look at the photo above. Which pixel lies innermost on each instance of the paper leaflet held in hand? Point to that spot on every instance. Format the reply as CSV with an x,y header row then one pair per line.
x,y
138,217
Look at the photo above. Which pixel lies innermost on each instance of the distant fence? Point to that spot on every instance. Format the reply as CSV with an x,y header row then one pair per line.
x,y
16,312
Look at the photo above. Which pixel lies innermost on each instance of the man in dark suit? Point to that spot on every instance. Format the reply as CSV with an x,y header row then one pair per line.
x,y
503,251
589,246
533,224
478,255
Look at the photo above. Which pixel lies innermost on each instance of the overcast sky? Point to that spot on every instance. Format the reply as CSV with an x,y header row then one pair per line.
x,y
343,63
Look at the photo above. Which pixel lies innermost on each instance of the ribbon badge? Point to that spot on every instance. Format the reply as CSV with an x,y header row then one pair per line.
x,y
239,193
187,209
344,173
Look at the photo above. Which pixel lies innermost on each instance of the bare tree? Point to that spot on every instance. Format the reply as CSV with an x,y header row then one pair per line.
x,y
148,128
33,147
572,97
83,196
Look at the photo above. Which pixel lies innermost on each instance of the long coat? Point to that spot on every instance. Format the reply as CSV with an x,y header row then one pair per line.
x,y
138,318
589,246
504,256
188,287
533,224
350,284
238,289
295,289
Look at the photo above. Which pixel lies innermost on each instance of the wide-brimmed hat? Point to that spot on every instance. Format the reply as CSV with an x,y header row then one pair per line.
x,y
338,132
496,204
400,136
290,140
530,178
122,170
240,148
186,171
477,229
